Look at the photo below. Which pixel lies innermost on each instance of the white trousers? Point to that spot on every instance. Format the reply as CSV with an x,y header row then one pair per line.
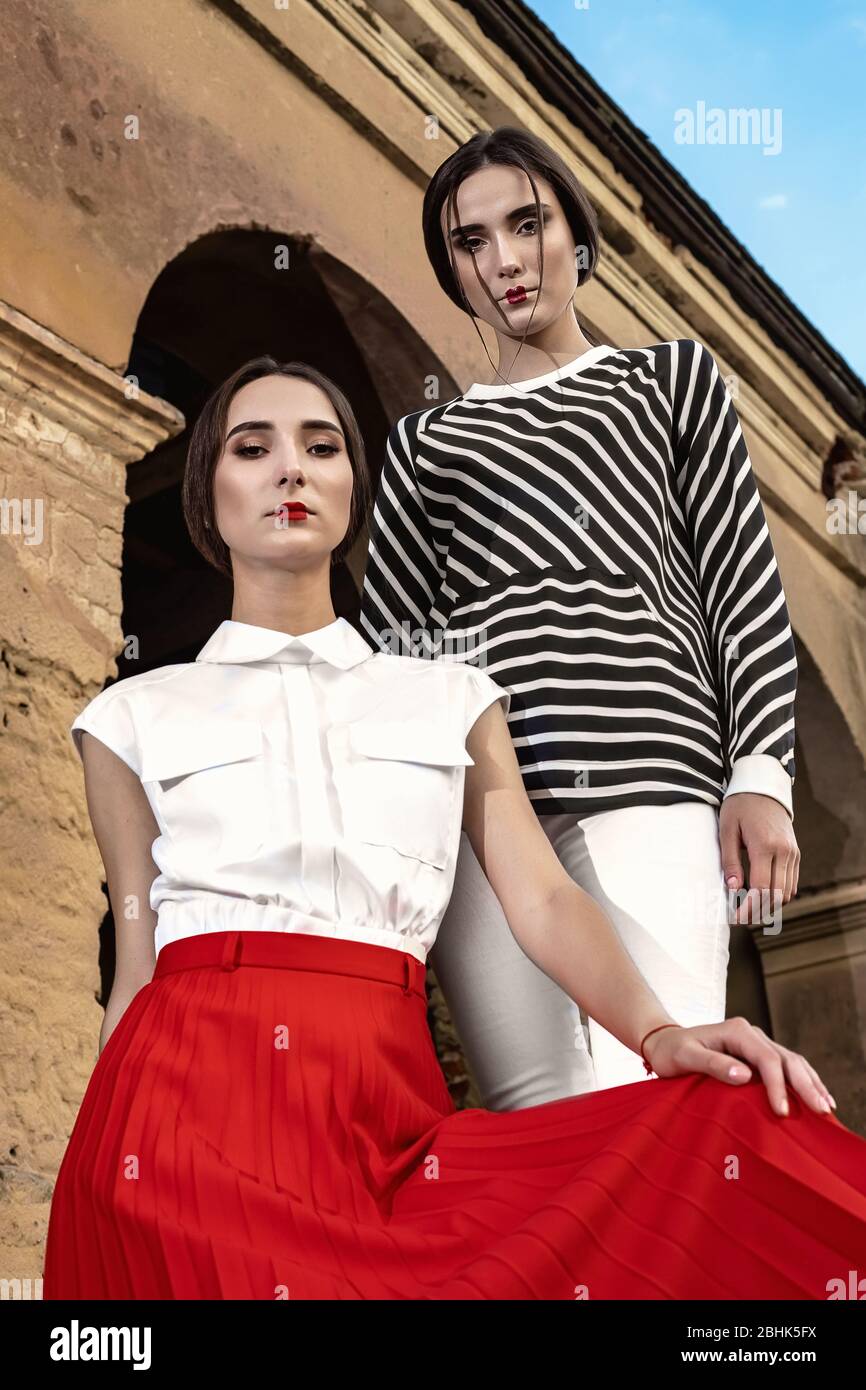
x,y
657,873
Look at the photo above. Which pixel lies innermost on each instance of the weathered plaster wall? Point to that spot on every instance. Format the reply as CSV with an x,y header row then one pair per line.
x,y
66,436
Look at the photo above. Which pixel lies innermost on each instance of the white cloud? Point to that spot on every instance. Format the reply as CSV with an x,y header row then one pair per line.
x,y
774,201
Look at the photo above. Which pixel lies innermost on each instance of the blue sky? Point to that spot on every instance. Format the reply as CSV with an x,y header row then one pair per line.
x,y
801,212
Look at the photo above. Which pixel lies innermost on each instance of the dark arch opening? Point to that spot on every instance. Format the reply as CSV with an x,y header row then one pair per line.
x,y
222,301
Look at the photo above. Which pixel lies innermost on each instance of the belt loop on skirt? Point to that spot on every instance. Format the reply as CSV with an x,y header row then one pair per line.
x,y
232,948
414,975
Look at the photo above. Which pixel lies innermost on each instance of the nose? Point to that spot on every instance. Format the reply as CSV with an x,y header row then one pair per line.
x,y
288,467
510,262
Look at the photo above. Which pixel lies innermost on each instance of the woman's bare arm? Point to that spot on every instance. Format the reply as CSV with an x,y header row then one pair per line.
x,y
124,827
568,936
559,926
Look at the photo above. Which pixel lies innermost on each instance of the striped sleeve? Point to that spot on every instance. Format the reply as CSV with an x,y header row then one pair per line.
x,y
402,576
747,616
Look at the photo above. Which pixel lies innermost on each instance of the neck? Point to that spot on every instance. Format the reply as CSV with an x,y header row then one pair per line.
x,y
541,352
292,603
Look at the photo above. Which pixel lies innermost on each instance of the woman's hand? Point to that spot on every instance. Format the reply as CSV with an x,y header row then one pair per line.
x,y
710,1047
761,826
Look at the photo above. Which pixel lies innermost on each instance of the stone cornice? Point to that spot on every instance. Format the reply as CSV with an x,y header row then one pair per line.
x,y
668,201
439,59
43,372
819,927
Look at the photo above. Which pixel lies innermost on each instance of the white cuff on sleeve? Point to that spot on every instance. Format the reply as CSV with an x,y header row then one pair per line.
x,y
763,774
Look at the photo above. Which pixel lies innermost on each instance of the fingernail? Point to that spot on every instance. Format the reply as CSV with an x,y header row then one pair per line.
x,y
736,1071
785,1108
732,882
825,1104
833,1103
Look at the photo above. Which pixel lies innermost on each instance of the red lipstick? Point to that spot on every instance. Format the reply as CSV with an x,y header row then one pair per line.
x,y
516,294
290,511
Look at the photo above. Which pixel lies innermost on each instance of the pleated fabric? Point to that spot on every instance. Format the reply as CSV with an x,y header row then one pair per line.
x,y
272,1122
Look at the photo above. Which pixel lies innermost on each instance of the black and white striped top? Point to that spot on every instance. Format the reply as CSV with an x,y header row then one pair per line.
x,y
594,540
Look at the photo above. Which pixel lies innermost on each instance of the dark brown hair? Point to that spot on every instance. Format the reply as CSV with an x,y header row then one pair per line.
x,y
207,442
505,145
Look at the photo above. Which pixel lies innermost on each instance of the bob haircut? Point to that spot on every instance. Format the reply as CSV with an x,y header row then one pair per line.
x,y
523,150
207,442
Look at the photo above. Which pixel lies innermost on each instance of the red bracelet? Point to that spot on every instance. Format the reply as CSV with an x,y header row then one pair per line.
x,y
647,1068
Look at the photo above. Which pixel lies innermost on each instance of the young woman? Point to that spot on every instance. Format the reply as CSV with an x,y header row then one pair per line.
x,y
267,1118
592,536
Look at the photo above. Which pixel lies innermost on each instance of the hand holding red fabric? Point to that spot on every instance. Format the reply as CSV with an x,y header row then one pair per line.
x,y
709,1048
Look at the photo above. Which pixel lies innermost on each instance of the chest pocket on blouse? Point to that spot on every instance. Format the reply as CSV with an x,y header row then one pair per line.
x,y
206,780
402,784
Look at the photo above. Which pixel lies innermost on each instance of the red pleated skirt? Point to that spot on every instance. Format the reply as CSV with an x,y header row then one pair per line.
x,y
269,1120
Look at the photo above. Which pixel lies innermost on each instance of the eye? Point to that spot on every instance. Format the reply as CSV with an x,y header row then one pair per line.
x,y
531,222
249,451
464,243
325,444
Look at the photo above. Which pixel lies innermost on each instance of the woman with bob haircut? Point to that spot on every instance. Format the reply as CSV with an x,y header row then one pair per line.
x,y
267,1118
587,529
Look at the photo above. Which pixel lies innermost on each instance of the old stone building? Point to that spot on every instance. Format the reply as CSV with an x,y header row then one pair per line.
x,y
188,184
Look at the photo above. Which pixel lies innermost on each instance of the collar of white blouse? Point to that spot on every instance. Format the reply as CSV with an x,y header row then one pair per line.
x,y
337,643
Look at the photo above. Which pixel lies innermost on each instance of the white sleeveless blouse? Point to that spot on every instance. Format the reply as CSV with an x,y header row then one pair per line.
x,y
300,783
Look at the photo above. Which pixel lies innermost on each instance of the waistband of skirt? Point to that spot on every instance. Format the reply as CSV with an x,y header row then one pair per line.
x,y
230,950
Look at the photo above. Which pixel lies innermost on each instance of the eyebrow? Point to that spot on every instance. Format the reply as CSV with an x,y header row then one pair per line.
x,y
269,425
512,216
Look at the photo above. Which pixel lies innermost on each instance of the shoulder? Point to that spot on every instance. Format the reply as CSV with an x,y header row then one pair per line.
x,y
481,691
407,432
469,689
684,370
395,665
119,714
421,682
425,694
135,688
689,359
663,356
693,353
